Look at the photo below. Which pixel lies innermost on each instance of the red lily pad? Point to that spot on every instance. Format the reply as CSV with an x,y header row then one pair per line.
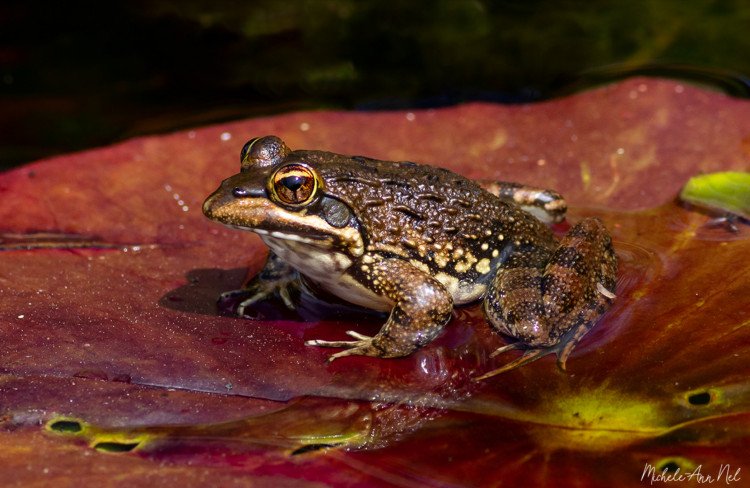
x,y
116,368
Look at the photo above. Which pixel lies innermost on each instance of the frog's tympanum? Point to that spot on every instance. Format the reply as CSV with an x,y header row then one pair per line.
x,y
415,241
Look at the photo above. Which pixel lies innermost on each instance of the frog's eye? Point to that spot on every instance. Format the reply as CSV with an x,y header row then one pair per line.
x,y
262,152
246,148
294,184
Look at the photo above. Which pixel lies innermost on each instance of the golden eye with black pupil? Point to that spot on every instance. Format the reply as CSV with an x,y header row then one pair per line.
x,y
294,184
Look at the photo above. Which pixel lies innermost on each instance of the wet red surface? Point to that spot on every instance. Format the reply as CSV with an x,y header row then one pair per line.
x,y
110,338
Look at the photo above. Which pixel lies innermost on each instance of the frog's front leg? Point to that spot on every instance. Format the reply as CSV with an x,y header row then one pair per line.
x,y
546,205
552,308
421,309
276,276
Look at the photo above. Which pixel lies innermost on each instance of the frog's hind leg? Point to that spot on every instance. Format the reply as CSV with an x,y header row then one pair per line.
x,y
549,311
579,283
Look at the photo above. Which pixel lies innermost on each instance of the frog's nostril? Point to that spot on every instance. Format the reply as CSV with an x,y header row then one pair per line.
x,y
239,192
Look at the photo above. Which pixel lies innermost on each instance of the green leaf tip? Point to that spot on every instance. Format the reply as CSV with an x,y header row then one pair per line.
x,y
725,191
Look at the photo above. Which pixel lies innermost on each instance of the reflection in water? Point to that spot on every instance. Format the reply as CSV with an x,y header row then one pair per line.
x,y
704,224
637,265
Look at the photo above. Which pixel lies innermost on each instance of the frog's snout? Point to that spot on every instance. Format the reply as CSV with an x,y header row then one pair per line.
x,y
208,207
215,201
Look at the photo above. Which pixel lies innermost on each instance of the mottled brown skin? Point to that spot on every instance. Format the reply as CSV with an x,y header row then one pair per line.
x,y
416,240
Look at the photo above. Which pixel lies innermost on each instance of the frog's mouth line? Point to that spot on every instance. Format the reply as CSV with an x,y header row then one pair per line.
x,y
286,235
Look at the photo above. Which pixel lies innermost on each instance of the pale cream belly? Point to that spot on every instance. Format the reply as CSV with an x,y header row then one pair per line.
x,y
326,269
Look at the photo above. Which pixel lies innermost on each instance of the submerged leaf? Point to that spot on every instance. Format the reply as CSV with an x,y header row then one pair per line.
x,y
116,367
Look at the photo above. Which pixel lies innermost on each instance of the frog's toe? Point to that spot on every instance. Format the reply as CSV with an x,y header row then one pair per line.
x,y
529,356
231,295
357,335
563,353
361,347
249,302
356,350
505,348
257,293
361,340
287,298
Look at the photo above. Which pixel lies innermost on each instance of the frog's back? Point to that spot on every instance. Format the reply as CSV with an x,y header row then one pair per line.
x,y
440,221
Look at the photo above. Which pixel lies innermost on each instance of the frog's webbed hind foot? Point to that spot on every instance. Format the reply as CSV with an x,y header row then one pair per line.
x,y
562,349
363,346
529,356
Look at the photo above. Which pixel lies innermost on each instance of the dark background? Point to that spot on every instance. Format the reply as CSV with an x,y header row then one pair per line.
x,y
75,75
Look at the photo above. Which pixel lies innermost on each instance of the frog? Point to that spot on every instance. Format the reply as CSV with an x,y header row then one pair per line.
x,y
413,241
